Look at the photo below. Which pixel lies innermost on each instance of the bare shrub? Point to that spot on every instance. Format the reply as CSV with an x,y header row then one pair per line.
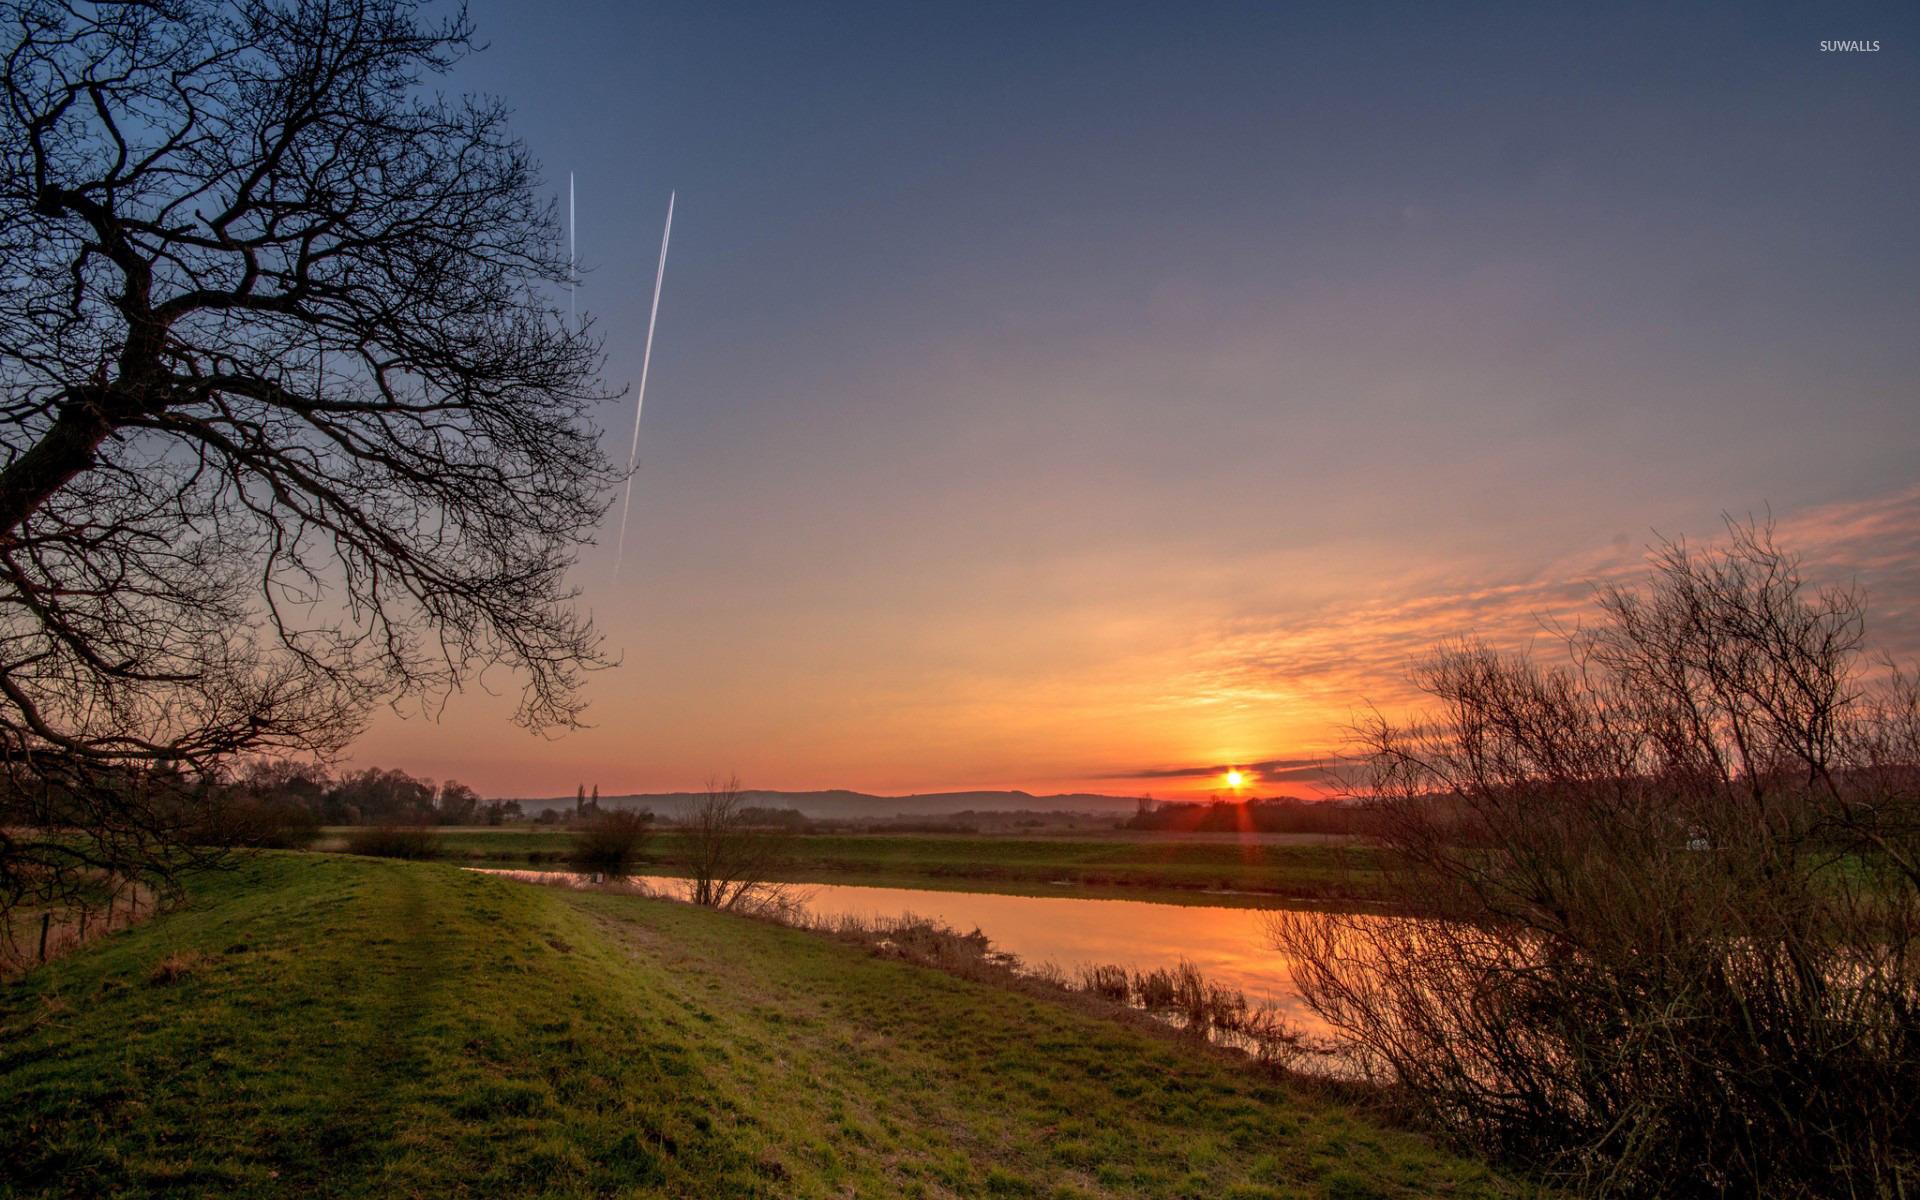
x,y
394,841
1676,945
1272,1039
730,859
611,842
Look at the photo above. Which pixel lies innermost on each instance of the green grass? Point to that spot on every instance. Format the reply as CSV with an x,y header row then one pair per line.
x,y
1261,872
343,1026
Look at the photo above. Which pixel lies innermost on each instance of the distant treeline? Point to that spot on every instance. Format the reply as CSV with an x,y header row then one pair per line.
x,y
282,803
965,821
1284,815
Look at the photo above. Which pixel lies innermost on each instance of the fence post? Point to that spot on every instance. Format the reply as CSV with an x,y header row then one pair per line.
x,y
46,920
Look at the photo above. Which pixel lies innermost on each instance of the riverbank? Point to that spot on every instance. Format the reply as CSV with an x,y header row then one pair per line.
x,y
322,1024
1257,871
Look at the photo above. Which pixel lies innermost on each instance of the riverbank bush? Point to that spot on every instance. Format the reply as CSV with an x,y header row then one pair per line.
x,y
1681,877
610,843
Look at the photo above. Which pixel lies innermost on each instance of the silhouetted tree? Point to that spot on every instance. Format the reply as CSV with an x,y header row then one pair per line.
x,y
270,803
456,805
499,812
289,423
377,796
304,783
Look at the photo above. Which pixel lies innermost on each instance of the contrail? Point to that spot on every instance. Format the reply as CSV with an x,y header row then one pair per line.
x,y
640,399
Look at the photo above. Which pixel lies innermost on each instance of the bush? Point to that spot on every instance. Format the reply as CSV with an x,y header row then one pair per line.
x,y
394,841
611,842
1681,946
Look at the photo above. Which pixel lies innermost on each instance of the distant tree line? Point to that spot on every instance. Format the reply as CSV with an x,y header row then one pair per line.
x,y
277,803
1280,815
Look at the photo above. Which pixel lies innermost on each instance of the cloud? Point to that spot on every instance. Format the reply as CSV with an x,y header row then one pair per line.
x,y
1323,773
1270,768
1348,656
1273,690
1875,544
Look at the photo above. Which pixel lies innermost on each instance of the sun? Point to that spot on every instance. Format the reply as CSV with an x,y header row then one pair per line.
x,y
1235,779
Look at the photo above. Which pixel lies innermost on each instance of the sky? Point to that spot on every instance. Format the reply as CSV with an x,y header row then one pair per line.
x,y
1096,396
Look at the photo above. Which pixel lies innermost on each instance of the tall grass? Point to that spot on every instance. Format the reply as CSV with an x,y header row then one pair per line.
x,y
31,936
1181,994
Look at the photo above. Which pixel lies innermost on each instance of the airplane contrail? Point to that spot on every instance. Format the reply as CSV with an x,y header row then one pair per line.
x,y
640,398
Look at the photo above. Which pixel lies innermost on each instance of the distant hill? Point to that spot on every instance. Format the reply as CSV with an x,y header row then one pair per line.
x,y
842,805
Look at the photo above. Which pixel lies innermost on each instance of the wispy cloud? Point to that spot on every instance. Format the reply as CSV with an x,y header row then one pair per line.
x,y
1306,674
1269,770
1317,774
1345,656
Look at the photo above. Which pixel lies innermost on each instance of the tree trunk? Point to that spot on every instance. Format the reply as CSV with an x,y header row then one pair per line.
x,y
67,449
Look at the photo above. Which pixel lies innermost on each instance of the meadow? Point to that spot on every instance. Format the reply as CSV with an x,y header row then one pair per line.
x,y
1259,870
331,1025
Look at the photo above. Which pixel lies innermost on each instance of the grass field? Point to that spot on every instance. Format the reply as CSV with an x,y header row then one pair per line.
x,y
330,1025
1263,870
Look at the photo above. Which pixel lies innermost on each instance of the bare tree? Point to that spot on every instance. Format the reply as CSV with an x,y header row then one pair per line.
x,y
289,423
728,857
1677,945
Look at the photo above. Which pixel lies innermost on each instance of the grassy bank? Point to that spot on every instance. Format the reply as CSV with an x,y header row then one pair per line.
x,y
1257,871
330,1025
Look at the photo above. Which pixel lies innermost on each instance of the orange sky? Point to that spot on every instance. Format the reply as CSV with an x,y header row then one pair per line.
x,y
1073,681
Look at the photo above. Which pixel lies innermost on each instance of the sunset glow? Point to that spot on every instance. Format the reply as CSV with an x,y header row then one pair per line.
x,y
985,474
